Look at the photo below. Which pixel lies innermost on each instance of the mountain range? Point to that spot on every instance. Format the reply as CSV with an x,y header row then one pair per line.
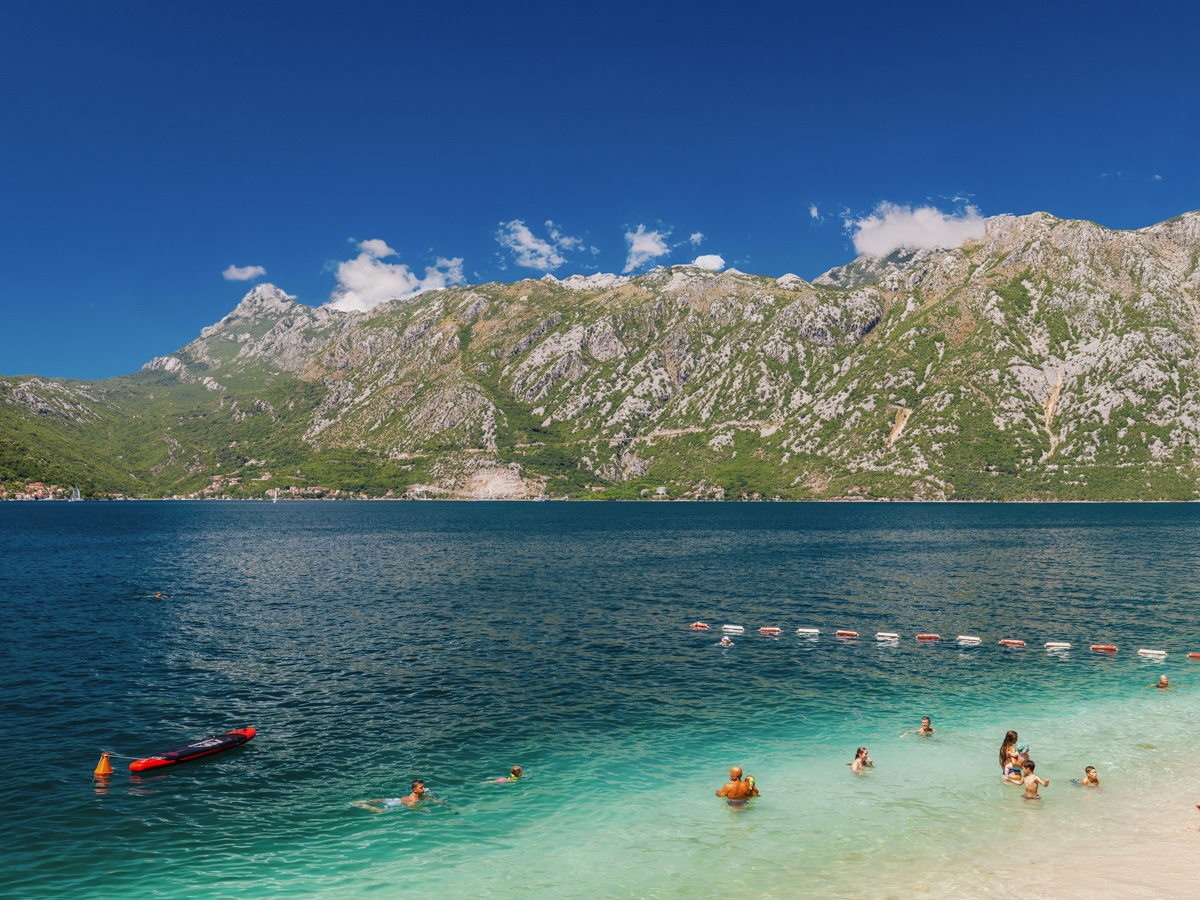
x,y
1049,359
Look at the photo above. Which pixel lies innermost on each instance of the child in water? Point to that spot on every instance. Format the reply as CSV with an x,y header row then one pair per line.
x,y
861,760
1089,779
1032,781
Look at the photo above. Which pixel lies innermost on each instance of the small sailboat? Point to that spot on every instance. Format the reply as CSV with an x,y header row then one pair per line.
x,y
74,495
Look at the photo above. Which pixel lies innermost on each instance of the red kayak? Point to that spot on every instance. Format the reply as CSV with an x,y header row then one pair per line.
x,y
194,750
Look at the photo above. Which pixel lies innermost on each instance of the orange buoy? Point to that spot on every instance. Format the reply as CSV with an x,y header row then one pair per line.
x,y
700,626
768,629
1194,656
929,637
846,634
1104,648
103,767
1011,642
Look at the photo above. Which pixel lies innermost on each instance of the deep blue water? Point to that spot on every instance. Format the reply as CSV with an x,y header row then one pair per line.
x,y
370,643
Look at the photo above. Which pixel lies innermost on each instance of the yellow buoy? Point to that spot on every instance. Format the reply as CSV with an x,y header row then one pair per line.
x,y
103,767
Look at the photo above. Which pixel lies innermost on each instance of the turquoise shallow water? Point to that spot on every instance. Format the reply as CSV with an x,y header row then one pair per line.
x,y
375,642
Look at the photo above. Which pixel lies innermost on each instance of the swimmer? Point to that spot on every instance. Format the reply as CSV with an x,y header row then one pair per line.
x,y
1032,781
1010,768
382,804
736,791
1163,684
1089,779
513,774
725,642
861,760
925,729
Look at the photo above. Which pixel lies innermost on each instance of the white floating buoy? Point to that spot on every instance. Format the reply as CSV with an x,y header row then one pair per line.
x,y
968,639
733,629
1057,645
886,636
809,631
1158,654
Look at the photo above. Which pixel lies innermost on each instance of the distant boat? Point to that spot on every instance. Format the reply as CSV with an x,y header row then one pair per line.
x,y
275,499
74,495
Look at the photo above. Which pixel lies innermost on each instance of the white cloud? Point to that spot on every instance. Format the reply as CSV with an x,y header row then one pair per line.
x,y
892,227
644,246
1158,178
813,212
711,261
243,273
696,238
365,281
533,252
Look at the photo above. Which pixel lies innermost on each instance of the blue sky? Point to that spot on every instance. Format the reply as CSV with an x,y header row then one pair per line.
x,y
147,149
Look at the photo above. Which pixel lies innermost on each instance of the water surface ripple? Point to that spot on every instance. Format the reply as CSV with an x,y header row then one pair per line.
x,y
371,643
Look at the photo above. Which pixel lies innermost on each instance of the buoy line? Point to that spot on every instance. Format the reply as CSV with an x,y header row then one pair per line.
x,y
927,637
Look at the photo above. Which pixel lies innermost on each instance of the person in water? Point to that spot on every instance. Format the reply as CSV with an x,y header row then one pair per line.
x,y
725,642
861,760
1163,684
383,804
514,774
736,791
1032,781
1010,769
926,727
1089,779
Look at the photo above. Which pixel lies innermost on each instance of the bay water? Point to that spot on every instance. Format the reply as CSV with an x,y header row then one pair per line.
x,y
375,642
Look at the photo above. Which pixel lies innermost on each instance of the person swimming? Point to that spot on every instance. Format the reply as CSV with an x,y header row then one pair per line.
x,y
1010,759
383,804
861,760
925,729
737,791
1089,779
513,775
1163,684
1032,782
725,642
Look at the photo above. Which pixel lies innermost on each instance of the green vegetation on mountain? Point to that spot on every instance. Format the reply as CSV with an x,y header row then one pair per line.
x,y
1048,360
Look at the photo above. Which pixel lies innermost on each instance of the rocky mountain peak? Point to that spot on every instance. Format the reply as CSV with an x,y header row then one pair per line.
x,y
262,301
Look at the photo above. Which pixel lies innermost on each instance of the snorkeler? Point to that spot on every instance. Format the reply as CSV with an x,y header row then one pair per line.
x,y
861,760
1089,779
736,791
382,804
926,727
513,774
1032,781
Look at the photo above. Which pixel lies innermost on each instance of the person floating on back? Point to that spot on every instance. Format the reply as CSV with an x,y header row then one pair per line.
x,y
1032,781
736,791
